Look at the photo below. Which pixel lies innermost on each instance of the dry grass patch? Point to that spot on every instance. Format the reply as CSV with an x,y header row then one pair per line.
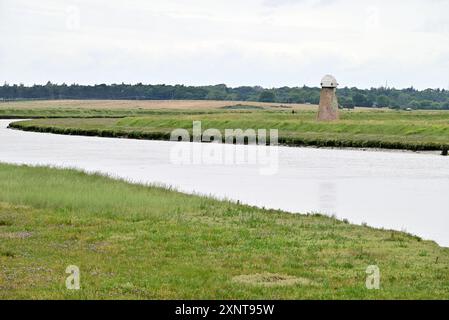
x,y
16,235
271,279
144,104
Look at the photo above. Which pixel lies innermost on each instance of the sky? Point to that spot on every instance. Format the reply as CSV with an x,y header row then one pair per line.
x,y
270,43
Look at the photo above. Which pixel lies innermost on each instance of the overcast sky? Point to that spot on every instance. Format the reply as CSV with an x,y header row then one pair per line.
x,y
271,43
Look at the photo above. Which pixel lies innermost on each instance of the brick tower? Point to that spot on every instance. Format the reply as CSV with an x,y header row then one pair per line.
x,y
328,110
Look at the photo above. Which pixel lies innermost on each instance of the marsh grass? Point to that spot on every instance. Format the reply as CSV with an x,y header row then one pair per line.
x,y
144,242
421,130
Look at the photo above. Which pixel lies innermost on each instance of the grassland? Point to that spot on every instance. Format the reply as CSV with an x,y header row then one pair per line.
x,y
417,130
141,104
123,108
145,242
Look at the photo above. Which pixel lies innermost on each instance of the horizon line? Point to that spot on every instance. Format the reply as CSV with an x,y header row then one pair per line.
x,y
217,84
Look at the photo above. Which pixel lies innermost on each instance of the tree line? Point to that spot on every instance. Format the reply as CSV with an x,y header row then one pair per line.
x,y
435,99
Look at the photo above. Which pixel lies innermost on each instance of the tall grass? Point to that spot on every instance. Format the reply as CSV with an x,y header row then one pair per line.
x,y
146,242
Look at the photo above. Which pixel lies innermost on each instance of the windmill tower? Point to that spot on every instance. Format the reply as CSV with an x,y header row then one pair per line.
x,y
328,110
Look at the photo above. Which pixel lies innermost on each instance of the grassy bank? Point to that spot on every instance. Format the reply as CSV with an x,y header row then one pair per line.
x,y
134,241
127,108
362,129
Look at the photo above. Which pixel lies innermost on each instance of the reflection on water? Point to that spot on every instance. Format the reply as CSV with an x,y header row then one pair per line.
x,y
327,192
395,190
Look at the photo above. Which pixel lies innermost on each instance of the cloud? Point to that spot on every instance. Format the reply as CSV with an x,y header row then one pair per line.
x,y
253,42
277,3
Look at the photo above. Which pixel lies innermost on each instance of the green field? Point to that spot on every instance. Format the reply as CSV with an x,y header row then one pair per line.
x,y
144,242
417,130
123,108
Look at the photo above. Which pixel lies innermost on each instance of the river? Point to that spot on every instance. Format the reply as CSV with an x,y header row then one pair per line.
x,y
394,190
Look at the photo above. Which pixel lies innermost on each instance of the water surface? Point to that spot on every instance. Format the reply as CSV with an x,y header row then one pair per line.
x,y
395,190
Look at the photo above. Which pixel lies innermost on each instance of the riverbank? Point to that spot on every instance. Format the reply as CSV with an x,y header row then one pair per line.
x,y
133,241
415,131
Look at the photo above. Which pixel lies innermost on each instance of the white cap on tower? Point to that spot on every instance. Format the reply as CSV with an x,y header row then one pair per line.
x,y
329,81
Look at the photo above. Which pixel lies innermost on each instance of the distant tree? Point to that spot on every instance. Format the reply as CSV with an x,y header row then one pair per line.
x,y
425,104
394,98
346,102
383,101
218,92
436,105
245,93
296,98
445,105
413,104
267,96
361,100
